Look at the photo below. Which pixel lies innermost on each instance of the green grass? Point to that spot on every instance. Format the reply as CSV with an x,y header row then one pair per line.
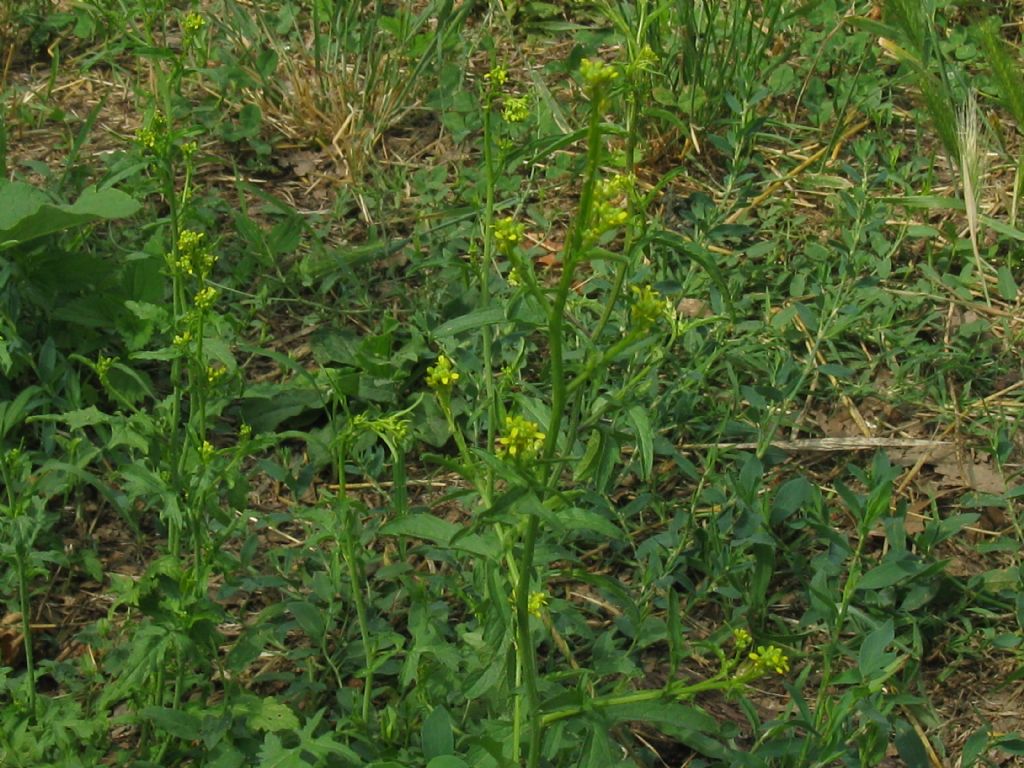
x,y
529,384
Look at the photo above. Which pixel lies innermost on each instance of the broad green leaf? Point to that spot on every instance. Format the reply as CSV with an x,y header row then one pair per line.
x,y
272,715
1007,285
892,570
447,761
274,754
84,417
909,745
790,496
574,519
437,735
422,526
974,747
26,213
872,656
175,722
601,750
309,617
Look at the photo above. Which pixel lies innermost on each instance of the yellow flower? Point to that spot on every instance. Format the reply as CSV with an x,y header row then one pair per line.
x,y
522,439
769,658
214,375
206,297
441,376
515,109
497,77
536,603
597,73
508,233
649,307
206,450
741,637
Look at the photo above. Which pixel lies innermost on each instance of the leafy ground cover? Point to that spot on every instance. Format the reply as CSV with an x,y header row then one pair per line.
x,y
500,384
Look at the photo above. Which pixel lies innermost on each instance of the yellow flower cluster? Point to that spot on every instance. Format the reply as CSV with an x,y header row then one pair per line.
x,y
103,365
191,30
206,450
522,439
769,658
649,307
194,258
508,233
214,375
497,77
597,73
610,205
515,109
153,137
206,297
741,637
536,603
441,376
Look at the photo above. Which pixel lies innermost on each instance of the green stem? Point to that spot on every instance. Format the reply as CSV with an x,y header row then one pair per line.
x,y
671,691
490,173
559,390
556,318
348,525
26,626
524,644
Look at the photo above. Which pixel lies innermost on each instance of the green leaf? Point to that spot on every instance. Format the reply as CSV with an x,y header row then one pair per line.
x,y
422,526
909,745
645,439
447,761
175,722
471,322
894,569
601,750
872,656
274,754
26,213
974,747
272,715
574,519
1007,285
437,735
84,417
267,405
1012,744
309,617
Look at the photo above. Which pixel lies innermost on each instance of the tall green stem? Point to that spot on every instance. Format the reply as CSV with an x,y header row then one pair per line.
x,y
347,523
26,626
559,391
490,176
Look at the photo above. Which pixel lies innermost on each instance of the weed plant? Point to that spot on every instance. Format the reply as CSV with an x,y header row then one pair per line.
x,y
605,445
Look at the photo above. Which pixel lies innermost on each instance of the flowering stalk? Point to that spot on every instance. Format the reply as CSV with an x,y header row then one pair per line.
x,y
596,76
734,674
495,80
